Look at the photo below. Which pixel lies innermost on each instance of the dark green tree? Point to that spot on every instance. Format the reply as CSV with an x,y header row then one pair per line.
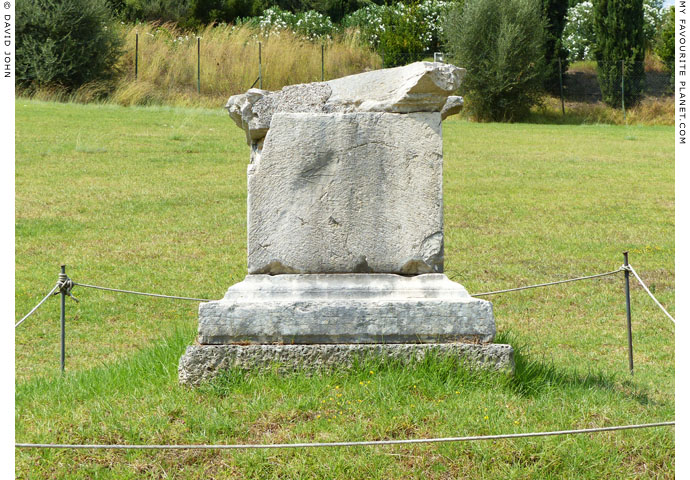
x,y
502,47
202,12
65,43
154,10
666,47
336,9
555,15
620,49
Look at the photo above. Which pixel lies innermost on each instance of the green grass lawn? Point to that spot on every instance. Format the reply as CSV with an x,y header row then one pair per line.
x,y
153,199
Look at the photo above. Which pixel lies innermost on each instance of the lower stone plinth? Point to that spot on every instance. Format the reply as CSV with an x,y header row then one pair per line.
x,y
203,362
346,308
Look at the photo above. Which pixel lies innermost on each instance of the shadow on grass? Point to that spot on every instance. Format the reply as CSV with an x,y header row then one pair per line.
x,y
532,376
158,366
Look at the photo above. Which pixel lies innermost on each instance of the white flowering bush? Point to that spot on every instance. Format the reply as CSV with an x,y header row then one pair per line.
x,y
401,31
311,24
578,33
398,30
369,22
275,19
432,13
579,37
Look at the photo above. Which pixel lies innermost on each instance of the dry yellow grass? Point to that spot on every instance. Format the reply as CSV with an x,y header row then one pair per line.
x,y
167,71
649,111
229,64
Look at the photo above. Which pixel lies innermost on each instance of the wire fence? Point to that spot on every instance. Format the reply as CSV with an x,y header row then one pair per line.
x,y
65,285
584,81
484,294
618,83
250,446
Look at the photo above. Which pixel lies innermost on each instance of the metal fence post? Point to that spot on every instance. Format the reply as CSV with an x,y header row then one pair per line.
x,y
62,321
261,78
627,307
198,64
560,81
322,72
623,87
136,56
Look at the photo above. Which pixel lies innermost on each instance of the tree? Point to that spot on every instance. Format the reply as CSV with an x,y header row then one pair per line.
x,y
555,14
665,48
653,19
502,47
154,10
65,43
620,49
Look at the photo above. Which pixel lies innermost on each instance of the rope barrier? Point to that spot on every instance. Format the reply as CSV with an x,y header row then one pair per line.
x,y
141,293
650,293
547,284
65,285
50,294
344,444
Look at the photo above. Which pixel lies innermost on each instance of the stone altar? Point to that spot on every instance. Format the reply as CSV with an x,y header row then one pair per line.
x,y
345,230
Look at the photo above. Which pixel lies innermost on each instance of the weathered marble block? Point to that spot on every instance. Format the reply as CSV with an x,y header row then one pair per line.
x,y
201,363
345,231
346,308
347,192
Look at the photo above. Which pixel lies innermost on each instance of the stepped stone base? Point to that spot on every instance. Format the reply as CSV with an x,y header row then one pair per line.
x,y
203,362
346,308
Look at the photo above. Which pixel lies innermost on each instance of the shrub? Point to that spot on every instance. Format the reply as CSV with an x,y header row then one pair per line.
x,y
578,34
336,10
203,12
665,47
403,38
369,22
65,43
653,17
275,19
401,32
501,46
311,25
620,49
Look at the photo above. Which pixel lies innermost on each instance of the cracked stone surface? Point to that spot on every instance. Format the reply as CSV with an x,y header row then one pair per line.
x,y
346,308
252,111
347,192
418,87
201,363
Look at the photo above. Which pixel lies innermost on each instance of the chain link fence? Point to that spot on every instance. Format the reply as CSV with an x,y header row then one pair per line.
x,y
581,82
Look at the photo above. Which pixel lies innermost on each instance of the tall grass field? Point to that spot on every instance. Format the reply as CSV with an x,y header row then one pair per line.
x,y
162,64
153,199
165,65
